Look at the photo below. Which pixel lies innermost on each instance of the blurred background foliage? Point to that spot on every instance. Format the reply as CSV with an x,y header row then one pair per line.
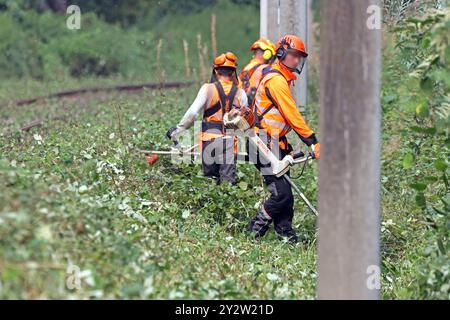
x,y
120,38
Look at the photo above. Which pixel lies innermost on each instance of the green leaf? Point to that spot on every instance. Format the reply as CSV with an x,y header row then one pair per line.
x,y
440,165
418,129
426,43
422,110
420,200
441,247
418,186
426,84
389,99
243,185
444,177
431,179
408,161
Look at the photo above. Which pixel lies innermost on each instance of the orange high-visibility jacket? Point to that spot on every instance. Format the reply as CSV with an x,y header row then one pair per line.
x,y
212,124
276,107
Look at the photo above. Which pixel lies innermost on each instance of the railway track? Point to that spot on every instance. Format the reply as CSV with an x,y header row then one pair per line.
x,y
127,88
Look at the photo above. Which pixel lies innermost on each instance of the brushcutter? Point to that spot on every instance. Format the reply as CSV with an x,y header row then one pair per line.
x,y
153,155
244,119
281,165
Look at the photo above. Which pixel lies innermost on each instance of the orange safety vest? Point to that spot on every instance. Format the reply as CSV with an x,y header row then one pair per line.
x,y
246,75
250,77
256,76
268,114
276,110
221,98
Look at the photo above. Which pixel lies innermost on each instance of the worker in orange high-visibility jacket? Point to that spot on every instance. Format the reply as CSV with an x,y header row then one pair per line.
x,y
263,55
277,114
215,99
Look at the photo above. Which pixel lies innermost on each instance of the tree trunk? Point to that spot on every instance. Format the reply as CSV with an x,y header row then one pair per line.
x,y
349,197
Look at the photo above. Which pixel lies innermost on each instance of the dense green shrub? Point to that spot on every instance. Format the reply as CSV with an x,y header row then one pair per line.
x,y
98,49
422,94
39,45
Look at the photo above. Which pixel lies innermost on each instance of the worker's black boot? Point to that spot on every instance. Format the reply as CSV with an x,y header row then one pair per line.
x,y
284,230
259,224
290,235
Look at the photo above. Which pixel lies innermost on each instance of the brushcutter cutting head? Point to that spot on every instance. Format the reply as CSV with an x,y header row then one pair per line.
x,y
151,159
239,118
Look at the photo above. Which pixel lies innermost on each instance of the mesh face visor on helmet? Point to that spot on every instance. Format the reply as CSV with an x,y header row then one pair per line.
x,y
299,69
302,62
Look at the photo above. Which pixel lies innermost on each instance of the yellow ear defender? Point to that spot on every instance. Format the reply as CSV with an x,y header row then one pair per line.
x,y
267,46
267,55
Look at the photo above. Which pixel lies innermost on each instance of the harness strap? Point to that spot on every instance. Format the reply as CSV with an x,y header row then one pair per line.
x,y
225,103
252,70
274,104
270,69
211,111
225,100
246,74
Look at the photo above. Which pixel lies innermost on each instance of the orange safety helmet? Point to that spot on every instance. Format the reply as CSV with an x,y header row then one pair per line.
x,y
290,42
228,59
265,45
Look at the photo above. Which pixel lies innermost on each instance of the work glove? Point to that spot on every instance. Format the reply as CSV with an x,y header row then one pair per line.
x,y
171,135
289,159
316,150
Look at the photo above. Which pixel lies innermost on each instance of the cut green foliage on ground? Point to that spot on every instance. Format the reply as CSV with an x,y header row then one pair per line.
x,y
82,214
74,192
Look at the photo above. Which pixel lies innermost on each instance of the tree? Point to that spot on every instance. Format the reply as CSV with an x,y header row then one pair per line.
x,y
349,168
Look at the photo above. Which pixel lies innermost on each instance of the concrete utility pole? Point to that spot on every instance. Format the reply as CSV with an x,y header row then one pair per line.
x,y
349,167
279,17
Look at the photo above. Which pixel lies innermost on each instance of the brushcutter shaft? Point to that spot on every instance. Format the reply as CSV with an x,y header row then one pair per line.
x,y
301,195
172,152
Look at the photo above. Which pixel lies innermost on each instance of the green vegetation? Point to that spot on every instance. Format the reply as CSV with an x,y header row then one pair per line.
x,y
73,191
416,197
40,46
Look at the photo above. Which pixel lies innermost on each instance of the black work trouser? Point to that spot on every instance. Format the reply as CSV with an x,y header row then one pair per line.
x,y
219,159
280,205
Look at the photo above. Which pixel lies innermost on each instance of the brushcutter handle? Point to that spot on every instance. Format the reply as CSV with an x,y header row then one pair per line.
x,y
301,157
298,155
169,135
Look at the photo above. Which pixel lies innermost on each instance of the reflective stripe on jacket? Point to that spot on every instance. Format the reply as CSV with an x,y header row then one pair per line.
x,y
276,108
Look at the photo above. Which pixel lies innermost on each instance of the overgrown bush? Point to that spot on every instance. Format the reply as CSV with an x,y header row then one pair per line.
x,y
40,46
422,95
